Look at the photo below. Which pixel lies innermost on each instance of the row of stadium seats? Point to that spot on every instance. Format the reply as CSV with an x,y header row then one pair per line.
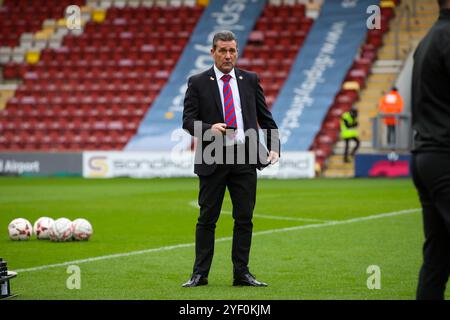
x,y
297,10
74,126
139,3
90,71
79,98
67,140
141,14
285,37
32,126
133,44
84,77
68,89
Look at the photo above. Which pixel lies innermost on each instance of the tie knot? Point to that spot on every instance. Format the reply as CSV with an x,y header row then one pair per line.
x,y
226,78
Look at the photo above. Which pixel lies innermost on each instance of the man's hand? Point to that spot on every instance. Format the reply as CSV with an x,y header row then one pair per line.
x,y
273,157
219,128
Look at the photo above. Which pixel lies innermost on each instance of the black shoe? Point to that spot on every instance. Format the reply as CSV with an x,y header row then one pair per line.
x,y
195,281
248,279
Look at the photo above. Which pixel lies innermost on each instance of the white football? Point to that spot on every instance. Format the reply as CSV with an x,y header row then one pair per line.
x,y
20,229
82,229
60,230
41,227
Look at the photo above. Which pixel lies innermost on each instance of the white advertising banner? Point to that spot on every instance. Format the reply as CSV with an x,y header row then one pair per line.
x,y
292,165
108,164
137,164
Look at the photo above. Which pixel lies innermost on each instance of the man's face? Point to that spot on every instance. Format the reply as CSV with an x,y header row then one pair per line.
x,y
225,55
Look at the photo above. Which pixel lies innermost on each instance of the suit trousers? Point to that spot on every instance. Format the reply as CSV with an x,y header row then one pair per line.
x,y
431,176
240,179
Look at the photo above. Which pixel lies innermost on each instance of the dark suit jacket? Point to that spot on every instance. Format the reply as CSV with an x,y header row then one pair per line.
x,y
202,102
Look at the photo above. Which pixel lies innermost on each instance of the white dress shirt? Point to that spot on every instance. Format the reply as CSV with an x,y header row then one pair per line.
x,y
240,136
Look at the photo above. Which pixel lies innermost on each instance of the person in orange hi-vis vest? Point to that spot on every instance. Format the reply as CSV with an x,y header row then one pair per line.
x,y
391,103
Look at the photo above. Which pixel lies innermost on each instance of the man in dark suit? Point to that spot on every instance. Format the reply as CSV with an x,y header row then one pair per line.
x,y
221,106
431,152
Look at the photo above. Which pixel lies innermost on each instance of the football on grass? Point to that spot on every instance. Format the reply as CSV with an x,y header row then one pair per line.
x,y
82,229
20,229
61,230
41,228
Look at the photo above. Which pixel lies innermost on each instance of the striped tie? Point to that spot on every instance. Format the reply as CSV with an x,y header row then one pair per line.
x,y
230,115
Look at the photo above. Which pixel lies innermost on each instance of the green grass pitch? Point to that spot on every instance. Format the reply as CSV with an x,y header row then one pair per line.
x,y
313,239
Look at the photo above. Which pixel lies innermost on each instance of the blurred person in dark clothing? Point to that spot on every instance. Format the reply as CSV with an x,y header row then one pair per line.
x,y
431,152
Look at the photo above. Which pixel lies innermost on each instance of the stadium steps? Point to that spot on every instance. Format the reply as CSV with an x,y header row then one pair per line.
x,y
6,92
367,106
365,147
340,169
385,67
337,168
426,15
383,74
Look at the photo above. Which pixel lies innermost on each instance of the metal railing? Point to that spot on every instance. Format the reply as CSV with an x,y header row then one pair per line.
x,y
400,139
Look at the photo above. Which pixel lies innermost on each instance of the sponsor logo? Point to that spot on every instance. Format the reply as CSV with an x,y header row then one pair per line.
x,y
19,167
98,167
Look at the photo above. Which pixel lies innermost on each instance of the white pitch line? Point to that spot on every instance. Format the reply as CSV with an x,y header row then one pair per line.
x,y
187,245
334,223
265,216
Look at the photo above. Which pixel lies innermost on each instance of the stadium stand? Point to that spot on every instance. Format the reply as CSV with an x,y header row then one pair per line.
x,y
91,92
355,81
386,51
